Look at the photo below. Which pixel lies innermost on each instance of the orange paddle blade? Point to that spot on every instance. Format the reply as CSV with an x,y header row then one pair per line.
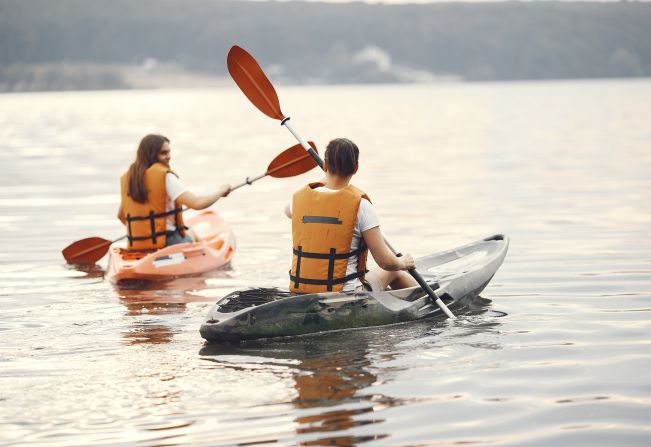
x,y
86,251
250,78
291,162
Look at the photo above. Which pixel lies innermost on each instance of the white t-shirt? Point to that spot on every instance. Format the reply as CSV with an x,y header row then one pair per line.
x,y
174,189
366,219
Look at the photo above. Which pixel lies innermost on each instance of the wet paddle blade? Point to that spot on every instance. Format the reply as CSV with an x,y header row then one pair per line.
x,y
292,161
250,78
86,251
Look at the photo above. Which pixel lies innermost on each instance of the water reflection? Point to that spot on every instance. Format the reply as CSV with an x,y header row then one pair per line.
x,y
91,271
331,370
576,210
338,373
144,300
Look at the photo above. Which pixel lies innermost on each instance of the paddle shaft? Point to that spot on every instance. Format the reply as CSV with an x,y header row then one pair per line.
x,y
291,162
249,181
312,152
413,272
421,282
255,85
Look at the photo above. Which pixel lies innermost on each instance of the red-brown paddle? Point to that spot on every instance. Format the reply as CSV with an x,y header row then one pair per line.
x,y
253,82
289,163
250,78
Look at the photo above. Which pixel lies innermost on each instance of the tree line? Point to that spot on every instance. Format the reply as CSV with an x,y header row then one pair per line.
x,y
328,43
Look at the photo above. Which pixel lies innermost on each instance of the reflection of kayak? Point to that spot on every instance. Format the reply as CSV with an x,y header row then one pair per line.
x,y
456,275
215,249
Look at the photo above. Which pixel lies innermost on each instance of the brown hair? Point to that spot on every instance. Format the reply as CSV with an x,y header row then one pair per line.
x,y
342,157
147,155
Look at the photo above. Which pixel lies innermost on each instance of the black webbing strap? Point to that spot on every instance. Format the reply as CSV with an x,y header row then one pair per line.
x,y
144,238
307,254
152,225
332,256
324,282
331,268
299,255
129,228
151,215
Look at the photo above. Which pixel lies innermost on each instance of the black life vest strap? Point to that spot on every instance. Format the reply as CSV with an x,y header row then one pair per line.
x,y
151,215
312,255
299,256
143,238
330,281
152,224
325,282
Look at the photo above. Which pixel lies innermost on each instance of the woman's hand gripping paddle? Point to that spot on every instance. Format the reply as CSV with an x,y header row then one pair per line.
x,y
289,163
255,85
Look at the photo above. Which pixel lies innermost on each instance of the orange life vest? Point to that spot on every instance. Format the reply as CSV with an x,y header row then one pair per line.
x,y
322,231
146,222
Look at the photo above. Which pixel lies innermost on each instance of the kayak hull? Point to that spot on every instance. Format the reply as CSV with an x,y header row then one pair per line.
x,y
457,276
215,249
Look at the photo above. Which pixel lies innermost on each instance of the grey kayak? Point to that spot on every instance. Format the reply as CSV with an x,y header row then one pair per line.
x,y
457,276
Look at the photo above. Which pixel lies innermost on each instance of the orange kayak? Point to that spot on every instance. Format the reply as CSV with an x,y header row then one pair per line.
x,y
215,248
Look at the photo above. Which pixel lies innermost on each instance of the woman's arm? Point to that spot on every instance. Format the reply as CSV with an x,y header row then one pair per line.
x,y
201,202
121,216
383,255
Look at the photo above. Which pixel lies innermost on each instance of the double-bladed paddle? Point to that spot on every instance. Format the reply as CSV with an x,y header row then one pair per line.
x,y
253,82
289,163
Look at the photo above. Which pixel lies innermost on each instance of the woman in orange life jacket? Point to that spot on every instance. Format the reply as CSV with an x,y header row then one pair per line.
x,y
334,226
153,196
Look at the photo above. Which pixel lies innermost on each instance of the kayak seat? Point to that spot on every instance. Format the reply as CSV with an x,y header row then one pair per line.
x,y
218,244
412,293
133,255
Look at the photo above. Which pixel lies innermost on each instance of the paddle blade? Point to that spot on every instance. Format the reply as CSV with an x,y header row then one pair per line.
x,y
86,251
291,162
250,78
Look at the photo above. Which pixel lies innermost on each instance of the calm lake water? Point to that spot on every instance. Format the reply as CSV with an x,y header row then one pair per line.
x,y
562,355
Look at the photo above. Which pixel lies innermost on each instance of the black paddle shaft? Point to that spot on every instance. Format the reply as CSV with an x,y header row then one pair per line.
x,y
421,281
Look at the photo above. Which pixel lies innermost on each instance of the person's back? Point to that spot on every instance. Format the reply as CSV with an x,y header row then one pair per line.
x,y
333,227
326,251
153,198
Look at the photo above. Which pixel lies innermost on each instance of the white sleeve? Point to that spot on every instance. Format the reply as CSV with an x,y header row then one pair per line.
x,y
173,186
366,216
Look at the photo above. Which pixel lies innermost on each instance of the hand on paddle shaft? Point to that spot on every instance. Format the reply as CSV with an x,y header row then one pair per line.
x,y
253,82
289,163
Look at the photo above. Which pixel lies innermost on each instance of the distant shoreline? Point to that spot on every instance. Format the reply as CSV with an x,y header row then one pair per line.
x,y
132,79
122,44
95,76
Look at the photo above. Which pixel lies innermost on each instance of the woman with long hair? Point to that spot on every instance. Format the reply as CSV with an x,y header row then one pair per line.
x,y
153,198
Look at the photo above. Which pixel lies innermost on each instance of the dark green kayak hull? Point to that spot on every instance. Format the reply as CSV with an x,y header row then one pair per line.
x,y
457,276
